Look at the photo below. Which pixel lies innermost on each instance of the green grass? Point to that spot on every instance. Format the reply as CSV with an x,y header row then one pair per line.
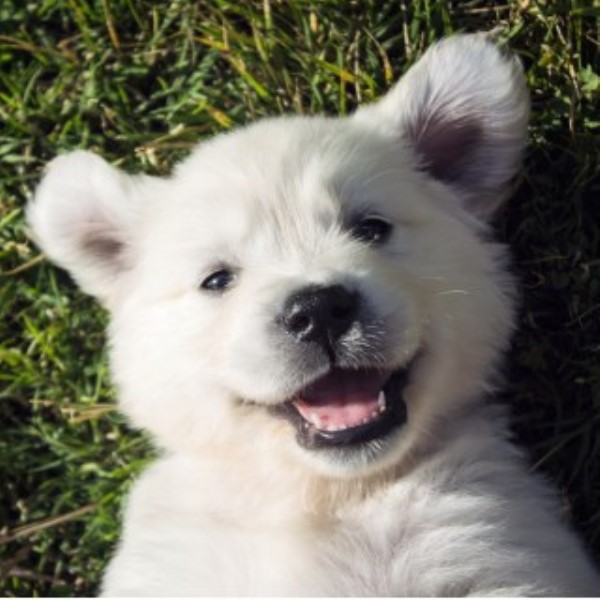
x,y
140,82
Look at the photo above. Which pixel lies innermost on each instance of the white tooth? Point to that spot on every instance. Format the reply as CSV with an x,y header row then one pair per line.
x,y
314,419
381,401
376,413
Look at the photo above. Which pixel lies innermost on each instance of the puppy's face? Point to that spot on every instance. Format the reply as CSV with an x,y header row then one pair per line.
x,y
317,287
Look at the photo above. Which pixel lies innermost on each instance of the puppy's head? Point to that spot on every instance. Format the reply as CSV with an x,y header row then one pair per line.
x,y
320,288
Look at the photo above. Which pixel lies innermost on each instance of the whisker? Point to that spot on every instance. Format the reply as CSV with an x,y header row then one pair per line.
x,y
450,292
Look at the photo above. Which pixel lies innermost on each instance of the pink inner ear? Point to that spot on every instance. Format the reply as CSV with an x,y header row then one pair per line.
x,y
102,246
448,145
98,237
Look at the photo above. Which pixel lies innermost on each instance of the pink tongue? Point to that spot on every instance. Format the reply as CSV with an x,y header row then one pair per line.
x,y
342,399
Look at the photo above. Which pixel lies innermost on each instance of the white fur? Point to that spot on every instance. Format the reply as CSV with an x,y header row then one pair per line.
x,y
236,506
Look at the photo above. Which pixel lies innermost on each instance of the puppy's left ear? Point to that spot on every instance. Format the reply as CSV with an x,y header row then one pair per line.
x,y
463,108
84,217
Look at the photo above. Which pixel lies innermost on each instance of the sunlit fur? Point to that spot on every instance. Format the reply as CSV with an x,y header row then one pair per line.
x,y
235,506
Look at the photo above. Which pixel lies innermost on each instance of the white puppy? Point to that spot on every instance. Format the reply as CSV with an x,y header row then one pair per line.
x,y
307,316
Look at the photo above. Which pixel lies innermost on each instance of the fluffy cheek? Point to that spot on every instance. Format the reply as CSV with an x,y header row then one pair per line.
x,y
165,359
469,320
256,363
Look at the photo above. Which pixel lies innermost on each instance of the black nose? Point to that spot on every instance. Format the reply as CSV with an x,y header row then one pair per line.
x,y
319,314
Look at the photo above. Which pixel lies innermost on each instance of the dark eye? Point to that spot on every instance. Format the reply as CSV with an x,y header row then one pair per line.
x,y
218,281
372,230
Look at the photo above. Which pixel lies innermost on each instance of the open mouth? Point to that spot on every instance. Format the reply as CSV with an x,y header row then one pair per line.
x,y
347,407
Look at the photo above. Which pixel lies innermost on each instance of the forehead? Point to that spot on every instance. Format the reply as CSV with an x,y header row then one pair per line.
x,y
287,179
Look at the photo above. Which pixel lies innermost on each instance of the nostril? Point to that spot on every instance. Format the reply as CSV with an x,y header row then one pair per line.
x,y
341,312
298,323
342,305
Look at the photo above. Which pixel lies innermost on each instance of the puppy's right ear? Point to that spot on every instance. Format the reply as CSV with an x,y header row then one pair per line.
x,y
463,110
82,216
